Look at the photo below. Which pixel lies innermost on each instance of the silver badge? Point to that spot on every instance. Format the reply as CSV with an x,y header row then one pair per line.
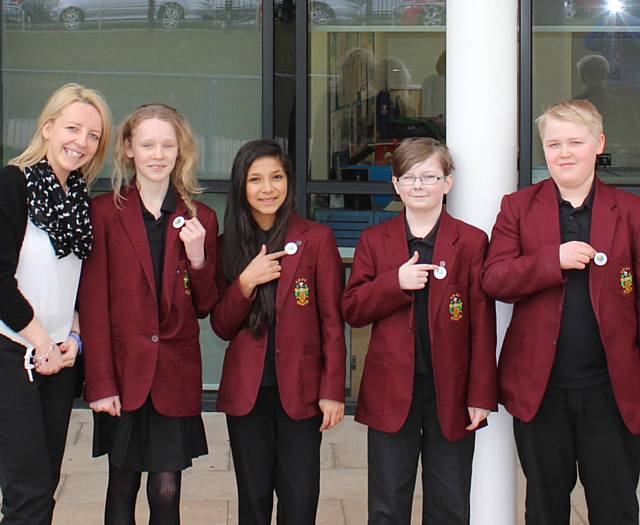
x,y
178,222
440,272
600,259
291,248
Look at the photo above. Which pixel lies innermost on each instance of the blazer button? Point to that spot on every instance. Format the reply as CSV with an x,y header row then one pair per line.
x,y
154,338
277,350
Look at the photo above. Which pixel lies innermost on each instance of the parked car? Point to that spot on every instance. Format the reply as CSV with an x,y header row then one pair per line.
x,y
73,13
408,12
321,12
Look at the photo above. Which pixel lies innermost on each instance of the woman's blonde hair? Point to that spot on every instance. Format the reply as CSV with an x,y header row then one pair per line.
x,y
63,97
183,175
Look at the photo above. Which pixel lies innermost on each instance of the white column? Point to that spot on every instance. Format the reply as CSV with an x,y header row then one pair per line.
x,y
482,118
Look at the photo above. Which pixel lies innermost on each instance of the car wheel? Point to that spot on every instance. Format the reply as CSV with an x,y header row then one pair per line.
x,y
320,14
434,15
71,18
570,8
171,15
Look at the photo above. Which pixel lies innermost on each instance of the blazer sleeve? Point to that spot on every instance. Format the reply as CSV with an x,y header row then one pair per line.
x,y
100,378
330,276
370,295
232,307
509,275
204,288
15,310
483,381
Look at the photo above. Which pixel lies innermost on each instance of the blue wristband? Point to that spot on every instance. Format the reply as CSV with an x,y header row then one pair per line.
x,y
76,335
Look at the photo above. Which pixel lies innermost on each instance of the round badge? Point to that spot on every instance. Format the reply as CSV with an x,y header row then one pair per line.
x,y
440,272
291,248
178,222
600,259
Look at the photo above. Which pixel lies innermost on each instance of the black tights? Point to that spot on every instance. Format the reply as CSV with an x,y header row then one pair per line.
x,y
163,494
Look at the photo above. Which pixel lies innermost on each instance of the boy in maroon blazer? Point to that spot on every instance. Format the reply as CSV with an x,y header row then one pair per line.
x,y
429,378
564,252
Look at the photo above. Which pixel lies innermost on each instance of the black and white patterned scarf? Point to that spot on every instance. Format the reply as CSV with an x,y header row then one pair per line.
x,y
64,216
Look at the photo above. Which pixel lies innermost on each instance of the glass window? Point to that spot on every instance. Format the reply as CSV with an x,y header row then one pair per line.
x,y
377,76
590,49
204,57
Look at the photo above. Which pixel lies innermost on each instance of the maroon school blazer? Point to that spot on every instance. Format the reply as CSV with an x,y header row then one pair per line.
x,y
523,268
462,326
133,346
310,347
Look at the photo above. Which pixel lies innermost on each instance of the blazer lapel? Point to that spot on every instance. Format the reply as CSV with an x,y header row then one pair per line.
x,y
131,217
546,214
173,248
604,219
396,243
444,253
289,263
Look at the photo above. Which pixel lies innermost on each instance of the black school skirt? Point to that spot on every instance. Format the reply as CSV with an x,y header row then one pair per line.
x,y
146,441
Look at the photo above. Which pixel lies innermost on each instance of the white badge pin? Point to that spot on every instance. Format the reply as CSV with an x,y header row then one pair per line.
x,y
440,272
178,222
600,259
291,247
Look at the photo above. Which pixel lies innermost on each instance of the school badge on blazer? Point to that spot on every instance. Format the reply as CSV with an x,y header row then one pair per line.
x,y
455,307
626,280
301,291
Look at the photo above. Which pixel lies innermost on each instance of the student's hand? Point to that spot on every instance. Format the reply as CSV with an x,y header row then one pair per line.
x,y
477,416
192,235
69,350
333,412
414,276
48,359
575,255
111,405
263,268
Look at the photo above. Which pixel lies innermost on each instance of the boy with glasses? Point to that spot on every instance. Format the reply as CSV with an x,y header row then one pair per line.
x,y
429,378
564,252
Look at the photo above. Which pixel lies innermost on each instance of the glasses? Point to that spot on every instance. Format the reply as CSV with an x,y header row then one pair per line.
x,y
427,180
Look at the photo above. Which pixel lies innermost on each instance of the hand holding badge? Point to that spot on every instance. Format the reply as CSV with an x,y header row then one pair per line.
x,y
192,234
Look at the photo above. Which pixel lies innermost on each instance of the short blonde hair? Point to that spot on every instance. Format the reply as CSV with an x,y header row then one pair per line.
x,y
63,97
183,175
576,111
418,149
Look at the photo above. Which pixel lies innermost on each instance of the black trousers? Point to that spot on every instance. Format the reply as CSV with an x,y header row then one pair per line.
x,y
271,452
34,418
582,426
393,463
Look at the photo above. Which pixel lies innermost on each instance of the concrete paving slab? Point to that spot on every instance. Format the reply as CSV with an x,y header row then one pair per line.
x,y
350,454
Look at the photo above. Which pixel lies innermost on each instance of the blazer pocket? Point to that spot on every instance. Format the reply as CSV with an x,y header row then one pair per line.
x,y
312,366
373,391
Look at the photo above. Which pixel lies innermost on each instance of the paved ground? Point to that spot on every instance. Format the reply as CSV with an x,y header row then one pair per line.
x,y
209,491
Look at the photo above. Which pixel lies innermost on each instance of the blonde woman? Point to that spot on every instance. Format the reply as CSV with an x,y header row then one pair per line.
x,y
45,234
150,276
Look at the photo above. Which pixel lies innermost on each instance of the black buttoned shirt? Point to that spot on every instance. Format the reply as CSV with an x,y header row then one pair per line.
x,y
157,234
424,246
580,358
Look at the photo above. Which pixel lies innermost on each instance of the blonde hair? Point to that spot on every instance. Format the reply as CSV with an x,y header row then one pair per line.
x,y
183,175
418,149
576,111
57,103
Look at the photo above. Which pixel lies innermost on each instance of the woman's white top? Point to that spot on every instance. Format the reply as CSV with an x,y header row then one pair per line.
x,y
48,283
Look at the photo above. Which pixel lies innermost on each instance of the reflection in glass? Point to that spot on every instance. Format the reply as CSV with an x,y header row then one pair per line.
x,y
598,61
368,91
191,54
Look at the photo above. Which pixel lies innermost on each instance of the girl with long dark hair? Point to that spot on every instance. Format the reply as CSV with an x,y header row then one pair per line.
x,y
284,370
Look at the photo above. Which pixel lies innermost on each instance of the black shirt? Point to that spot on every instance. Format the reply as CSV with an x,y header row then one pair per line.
x,y
580,359
424,246
269,377
157,234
